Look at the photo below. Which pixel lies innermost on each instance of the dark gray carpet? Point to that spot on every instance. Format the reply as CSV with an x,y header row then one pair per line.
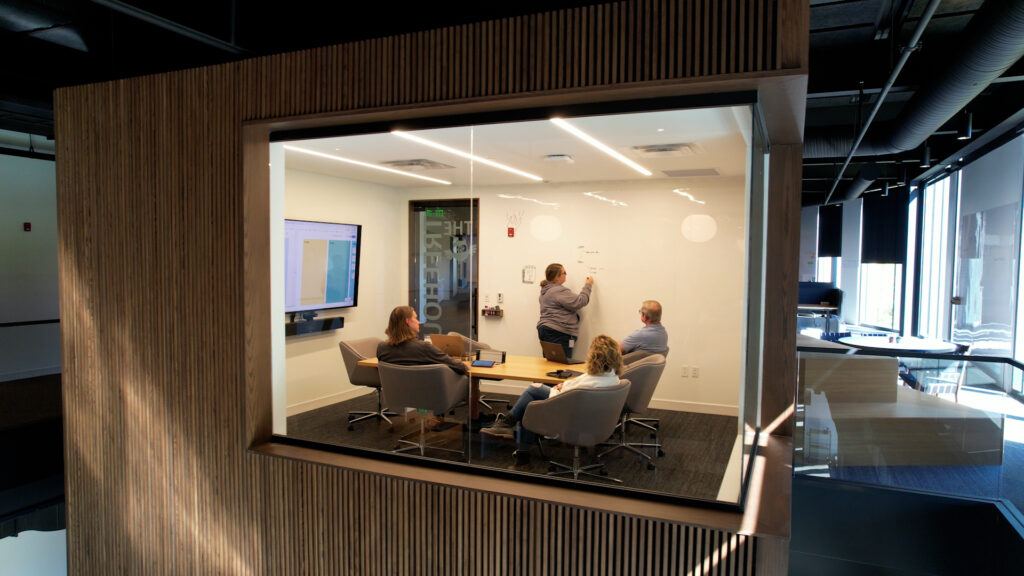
x,y
697,446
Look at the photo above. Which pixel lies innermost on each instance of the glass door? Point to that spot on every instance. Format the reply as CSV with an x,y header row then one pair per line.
x,y
443,265
984,298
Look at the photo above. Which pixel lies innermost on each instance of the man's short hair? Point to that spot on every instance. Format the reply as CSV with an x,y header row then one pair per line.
x,y
652,310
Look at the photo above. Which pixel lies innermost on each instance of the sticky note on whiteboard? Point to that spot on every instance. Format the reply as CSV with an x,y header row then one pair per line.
x,y
529,273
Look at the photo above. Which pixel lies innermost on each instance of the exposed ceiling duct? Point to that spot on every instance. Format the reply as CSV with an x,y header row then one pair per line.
x,y
41,22
996,34
865,177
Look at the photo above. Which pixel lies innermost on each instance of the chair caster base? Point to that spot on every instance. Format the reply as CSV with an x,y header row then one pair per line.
x,y
661,453
351,428
650,466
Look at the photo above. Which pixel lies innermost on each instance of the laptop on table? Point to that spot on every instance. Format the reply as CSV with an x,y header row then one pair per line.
x,y
453,346
555,353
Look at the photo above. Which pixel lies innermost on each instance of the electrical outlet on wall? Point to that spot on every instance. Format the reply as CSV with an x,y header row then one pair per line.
x,y
695,372
501,298
686,371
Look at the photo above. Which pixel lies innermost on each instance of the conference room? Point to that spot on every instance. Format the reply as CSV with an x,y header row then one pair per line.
x,y
459,220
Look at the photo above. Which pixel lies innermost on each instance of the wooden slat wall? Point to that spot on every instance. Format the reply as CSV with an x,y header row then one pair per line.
x,y
407,527
152,282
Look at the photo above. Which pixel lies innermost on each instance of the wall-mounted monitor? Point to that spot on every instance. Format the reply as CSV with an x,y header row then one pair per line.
x,y
321,265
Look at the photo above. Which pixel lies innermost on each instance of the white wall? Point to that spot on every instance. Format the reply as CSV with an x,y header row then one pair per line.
x,y
636,253
28,268
315,373
36,553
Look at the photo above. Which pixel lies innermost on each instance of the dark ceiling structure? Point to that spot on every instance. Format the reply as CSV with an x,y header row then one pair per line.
x,y
935,65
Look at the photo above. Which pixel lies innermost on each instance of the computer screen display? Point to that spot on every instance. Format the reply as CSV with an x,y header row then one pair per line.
x,y
321,261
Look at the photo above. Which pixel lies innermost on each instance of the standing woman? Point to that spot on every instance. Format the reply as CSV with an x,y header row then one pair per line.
x,y
559,319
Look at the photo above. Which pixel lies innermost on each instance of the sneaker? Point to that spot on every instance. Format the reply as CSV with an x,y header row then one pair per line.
x,y
500,429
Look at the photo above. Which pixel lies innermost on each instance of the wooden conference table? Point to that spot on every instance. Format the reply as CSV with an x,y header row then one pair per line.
x,y
900,344
523,368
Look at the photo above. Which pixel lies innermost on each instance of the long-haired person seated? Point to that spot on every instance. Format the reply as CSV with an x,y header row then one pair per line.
x,y
604,364
404,347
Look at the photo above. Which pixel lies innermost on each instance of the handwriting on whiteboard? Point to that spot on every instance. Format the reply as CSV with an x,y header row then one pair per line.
x,y
590,258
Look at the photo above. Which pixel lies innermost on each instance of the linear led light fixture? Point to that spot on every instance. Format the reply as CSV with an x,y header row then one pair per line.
x,y
599,145
366,164
467,155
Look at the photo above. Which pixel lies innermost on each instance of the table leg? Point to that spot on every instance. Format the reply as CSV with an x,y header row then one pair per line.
x,y
474,398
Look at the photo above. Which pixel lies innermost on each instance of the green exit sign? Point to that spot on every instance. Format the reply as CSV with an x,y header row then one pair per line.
x,y
435,212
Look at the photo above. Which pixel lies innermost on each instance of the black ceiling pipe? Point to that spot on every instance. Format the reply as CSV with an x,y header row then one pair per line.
x,y
994,41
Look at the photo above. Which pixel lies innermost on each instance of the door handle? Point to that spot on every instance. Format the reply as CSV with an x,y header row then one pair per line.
x,y
956,300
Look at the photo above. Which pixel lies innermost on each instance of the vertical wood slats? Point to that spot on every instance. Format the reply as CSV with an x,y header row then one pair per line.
x,y
639,41
153,310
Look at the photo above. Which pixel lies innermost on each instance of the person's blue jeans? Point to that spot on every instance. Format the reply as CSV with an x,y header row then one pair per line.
x,y
546,334
516,414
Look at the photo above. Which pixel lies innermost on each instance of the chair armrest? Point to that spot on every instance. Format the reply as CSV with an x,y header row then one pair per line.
x,y
456,387
544,417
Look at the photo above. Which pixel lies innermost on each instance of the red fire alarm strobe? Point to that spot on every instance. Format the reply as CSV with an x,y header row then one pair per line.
x,y
511,232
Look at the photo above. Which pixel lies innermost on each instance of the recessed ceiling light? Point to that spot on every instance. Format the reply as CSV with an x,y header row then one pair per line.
x,y
661,129
365,164
599,145
467,155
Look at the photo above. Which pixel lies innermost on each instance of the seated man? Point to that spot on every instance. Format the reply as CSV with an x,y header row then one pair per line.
x,y
652,338
604,364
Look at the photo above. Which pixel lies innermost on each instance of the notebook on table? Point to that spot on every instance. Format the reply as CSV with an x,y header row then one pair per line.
x,y
555,353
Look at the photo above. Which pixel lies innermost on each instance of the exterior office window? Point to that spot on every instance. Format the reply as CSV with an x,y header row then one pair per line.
x,y
879,295
829,270
936,262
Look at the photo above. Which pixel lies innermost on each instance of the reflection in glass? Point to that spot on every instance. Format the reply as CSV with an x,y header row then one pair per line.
x,y
469,257
917,422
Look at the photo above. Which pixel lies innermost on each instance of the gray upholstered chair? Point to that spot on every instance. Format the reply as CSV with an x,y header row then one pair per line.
x,y
352,352
643,376
636,355
471,347
582,417
433,387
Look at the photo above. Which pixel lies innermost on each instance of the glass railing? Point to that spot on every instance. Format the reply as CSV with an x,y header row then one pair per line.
x,y
942,423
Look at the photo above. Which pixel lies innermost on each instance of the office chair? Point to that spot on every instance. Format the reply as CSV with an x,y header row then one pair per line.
x,y
949,381
472,346
643,376
581,417
433,387
636,355
352,352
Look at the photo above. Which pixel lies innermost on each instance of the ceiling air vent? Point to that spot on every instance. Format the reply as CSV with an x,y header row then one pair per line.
x,y
665,150
416,165
559,158
693,172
